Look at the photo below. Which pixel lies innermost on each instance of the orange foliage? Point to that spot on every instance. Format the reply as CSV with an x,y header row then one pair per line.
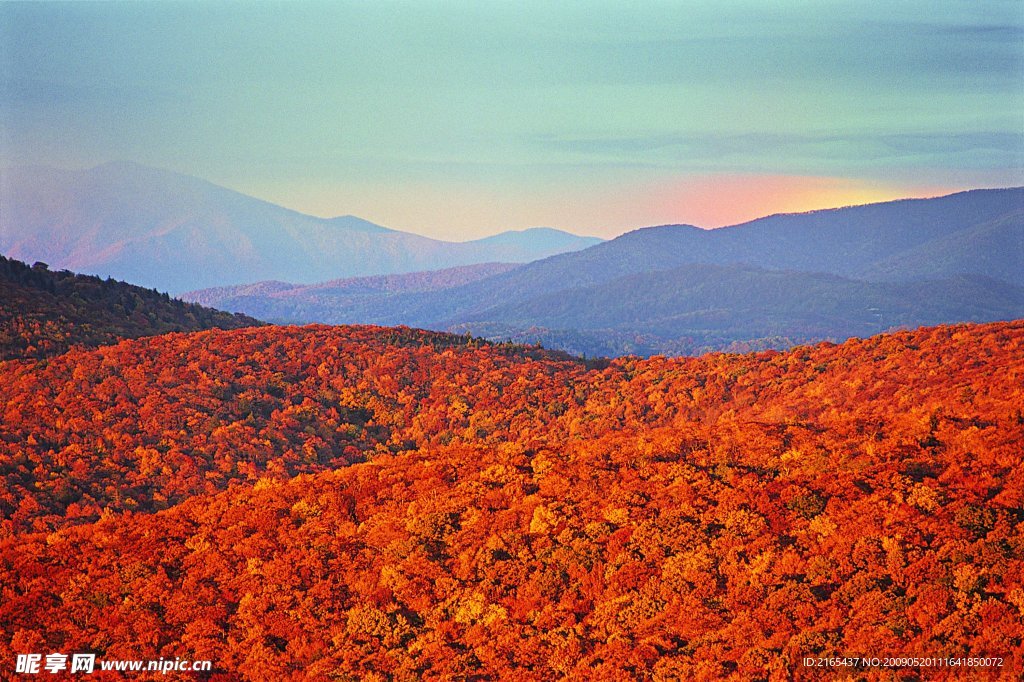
x,y
318,502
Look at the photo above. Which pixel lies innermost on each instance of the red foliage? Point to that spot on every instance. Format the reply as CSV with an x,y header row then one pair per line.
x,y
472,511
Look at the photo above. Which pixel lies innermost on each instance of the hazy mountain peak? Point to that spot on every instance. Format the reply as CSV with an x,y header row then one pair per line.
x,y
679,228
162,229
679,289
549,236
351,222
131,171
125,165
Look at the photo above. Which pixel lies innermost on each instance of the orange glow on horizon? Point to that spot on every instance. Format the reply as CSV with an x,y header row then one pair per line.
x,y
461,211
729,200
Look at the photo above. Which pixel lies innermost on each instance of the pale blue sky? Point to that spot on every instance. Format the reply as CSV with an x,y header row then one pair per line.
x,y
457,119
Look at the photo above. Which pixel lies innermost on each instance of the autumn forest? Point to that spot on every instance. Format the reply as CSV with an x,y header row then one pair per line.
x,y
370,503
657,341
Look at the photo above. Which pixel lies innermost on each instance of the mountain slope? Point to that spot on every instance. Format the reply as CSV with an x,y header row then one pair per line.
x,y
688,309
179,233
679,289
496,513
708,307
45,313
188,414
340,301
853,242
995,248
285,301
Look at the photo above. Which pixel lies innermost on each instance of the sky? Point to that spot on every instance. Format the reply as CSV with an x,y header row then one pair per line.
x,y
461,119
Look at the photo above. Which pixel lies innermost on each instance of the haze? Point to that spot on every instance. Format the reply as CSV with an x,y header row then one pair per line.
x,y
458,120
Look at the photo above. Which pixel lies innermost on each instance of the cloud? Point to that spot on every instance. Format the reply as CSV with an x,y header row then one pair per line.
x,y
712,150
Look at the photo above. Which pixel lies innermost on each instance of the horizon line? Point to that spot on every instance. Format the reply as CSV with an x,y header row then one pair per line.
x,y
12,168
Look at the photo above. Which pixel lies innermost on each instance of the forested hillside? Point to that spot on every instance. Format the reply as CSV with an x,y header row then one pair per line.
x,y
367,503
44,313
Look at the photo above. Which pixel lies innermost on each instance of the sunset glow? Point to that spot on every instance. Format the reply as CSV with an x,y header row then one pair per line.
x,y
462,212
729,200
460,120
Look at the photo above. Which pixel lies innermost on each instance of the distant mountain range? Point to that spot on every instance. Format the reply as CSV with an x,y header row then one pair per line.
x,y
677,289
177,233
342,301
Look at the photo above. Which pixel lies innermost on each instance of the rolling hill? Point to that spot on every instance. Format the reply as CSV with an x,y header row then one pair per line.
x,y
177,233
679,289
45,313
859,242
370,503
340,301
700,308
